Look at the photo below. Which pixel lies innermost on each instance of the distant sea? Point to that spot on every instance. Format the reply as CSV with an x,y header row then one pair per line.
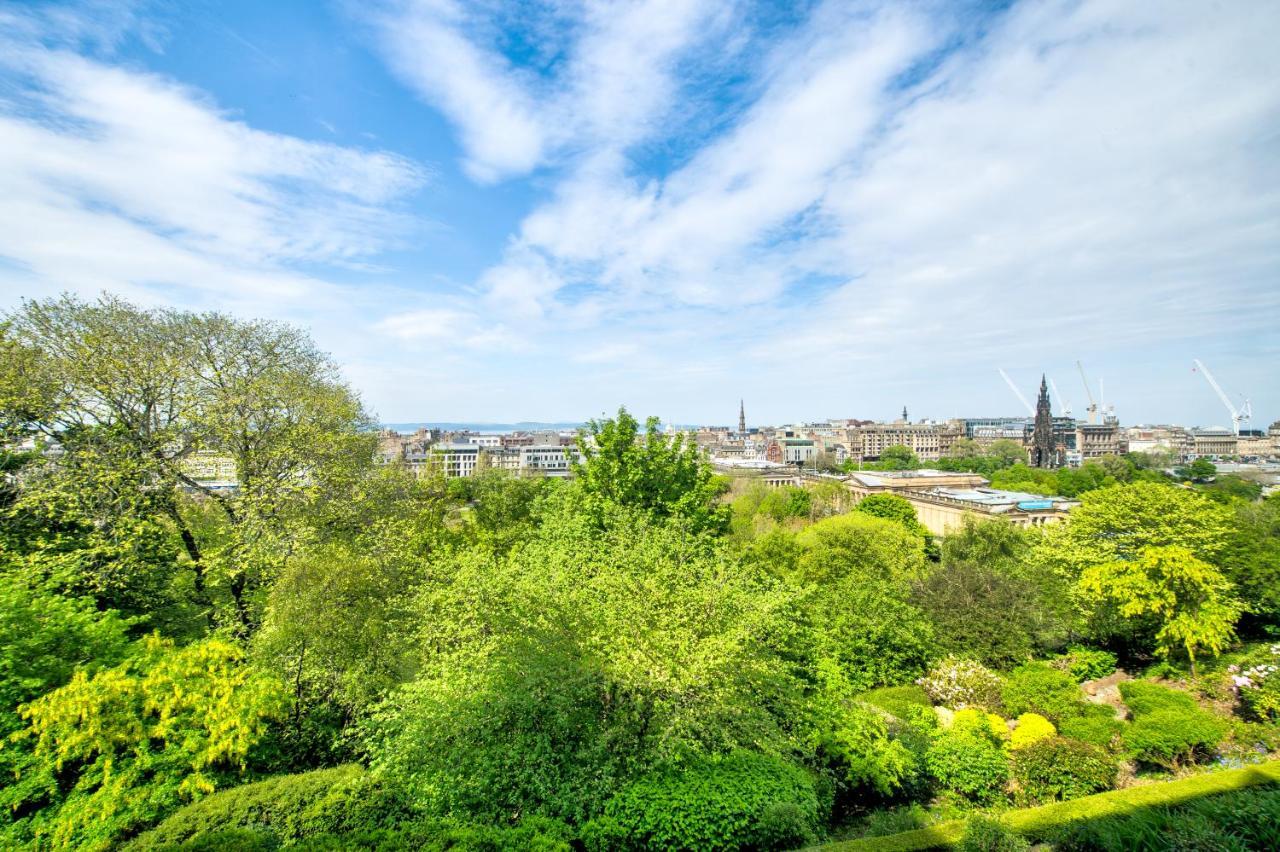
x,y
523,426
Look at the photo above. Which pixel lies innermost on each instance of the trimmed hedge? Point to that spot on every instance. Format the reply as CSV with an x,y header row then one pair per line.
x,y
290,807
1241,820
742,800
1047,819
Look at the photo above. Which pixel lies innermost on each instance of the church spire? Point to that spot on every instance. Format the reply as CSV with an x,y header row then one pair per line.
x,y
742,418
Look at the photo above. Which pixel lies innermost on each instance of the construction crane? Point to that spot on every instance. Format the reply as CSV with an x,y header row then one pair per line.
x,y
1022,399
1239,416
1093,406
1065,403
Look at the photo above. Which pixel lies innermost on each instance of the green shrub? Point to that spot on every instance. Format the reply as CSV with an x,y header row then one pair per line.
x,y
879,823
962,683
1169,729
424,835
740,801
970,760
1171,739
291,807
1058,769
984,834
1142,697
1245,820
1097,724
900,701
1086,663
1041,688
231,840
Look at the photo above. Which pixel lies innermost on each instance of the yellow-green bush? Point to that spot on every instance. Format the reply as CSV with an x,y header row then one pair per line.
x,y
1032,727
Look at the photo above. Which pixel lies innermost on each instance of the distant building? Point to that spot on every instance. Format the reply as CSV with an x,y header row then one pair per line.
x,y
1094,440
942,510
929,441
865,483
1210,443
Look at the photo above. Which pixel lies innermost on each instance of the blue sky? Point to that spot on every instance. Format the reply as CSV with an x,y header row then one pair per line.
x,y
542,210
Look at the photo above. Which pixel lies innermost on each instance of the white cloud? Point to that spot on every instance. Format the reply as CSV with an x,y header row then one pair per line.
x,y
1075,179
120,180
610,91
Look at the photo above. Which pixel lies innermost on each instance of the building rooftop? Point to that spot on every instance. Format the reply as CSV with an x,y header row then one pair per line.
x,y
884,477
996,500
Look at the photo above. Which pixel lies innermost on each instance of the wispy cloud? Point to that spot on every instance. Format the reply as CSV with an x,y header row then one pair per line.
x,y
118,179
609,89
1082,175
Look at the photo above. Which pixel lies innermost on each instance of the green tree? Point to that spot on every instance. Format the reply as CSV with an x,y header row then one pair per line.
x,y
989,600
140,393
898,457
874,549
114,751
1200,469
583,658
894,508
664,475
1190,600
1251,558
1006,452
1116,523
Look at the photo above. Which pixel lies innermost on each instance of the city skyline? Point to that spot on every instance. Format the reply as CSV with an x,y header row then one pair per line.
x,y
491,213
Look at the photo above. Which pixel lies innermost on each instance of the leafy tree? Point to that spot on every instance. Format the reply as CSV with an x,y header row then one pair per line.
x,y
1251,559
1119,468
965,448
988,600
979,612
872,548
1231,488
1006,452
587,656
894,508
44,637
1190,600
1116,523
114,751
141,392
1200,469
898,457
661,474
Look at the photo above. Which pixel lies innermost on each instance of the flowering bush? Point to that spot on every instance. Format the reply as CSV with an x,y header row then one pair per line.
x,y
962,683
1259,686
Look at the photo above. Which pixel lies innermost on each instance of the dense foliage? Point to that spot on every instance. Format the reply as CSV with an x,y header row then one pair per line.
x,y
341,654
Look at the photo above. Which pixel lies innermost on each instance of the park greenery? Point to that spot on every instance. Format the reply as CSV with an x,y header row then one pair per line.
x,y
339,654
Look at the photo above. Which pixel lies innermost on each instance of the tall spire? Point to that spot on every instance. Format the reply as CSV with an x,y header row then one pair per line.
x,y
904,415
1043,452
742,418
